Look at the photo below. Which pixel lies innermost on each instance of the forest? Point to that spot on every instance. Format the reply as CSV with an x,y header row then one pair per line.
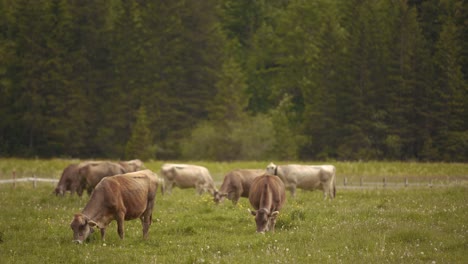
x,y
234,79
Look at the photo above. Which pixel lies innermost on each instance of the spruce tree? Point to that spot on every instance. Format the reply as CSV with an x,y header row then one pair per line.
x,y
140,145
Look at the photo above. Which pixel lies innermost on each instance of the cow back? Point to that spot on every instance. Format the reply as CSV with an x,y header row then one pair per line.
x,y
247,176
267,191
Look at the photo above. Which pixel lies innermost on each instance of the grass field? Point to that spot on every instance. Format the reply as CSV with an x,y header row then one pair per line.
x,y
405,225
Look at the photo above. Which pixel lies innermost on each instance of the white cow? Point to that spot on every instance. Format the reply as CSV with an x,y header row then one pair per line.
x,y
187,176
306,177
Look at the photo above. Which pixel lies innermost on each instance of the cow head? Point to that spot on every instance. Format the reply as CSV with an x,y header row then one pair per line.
x,y
137,164
82,227
219,197
265,220
272,169
60,190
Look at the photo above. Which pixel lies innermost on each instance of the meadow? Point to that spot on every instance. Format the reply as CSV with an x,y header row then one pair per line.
x,y
373,225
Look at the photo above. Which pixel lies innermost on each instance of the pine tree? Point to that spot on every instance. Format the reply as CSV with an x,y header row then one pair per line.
x,y
450,99
140,145
229,102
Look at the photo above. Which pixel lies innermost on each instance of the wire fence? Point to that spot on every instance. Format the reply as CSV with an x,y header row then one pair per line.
x,y
342,182
34,179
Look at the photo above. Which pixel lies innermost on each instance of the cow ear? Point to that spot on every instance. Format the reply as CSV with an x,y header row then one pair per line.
x,y
275,214
254,213
91,223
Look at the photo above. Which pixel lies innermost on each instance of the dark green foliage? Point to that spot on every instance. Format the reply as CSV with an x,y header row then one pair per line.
x,y
140,143
337,79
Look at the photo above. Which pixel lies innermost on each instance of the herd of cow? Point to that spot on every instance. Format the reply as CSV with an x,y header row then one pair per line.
x,y
125,190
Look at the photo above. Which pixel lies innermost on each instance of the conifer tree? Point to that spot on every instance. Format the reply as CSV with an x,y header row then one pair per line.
x,y
140,145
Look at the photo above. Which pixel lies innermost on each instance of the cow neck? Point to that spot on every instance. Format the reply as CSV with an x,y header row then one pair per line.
x,y
88,216
93,212
98,218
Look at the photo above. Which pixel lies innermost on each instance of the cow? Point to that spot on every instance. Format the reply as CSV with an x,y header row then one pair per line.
x,y
187,176
94,172
306,177
121,198
236,184
132,165
267,196
71,181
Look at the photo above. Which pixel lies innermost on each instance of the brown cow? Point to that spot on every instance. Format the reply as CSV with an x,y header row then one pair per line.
x,y
71,181
94,172
236,184
267,196
132,165
120,197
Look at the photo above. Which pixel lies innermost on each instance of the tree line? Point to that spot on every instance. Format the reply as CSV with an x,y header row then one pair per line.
x,y
234,79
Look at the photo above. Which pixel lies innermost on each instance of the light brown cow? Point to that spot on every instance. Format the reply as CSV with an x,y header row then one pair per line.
x,y
132,165
267,196
236,184
93,173
71,181
120,197
187,176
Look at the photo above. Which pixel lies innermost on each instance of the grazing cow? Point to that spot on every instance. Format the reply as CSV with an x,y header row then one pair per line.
x,y
306,177
236,184
120,197
267,196
71,181
187,176
94,172
132,165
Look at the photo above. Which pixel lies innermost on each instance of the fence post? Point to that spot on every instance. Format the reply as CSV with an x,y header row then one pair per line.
x,y
406,181
384,181
34,181
14,179
345,182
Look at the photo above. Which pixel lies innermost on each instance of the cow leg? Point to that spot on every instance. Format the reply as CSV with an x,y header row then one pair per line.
x,y
168,188
147,218
292,189
103,234
326,190
199,188
72,190
235,198
79,192
120,224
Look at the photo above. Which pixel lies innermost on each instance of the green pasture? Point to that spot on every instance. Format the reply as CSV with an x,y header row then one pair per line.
x,y
376,225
